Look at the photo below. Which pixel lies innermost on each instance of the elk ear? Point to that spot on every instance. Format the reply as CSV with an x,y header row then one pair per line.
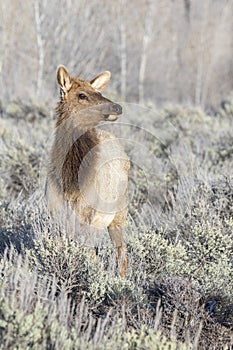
x,y
101,81
63,78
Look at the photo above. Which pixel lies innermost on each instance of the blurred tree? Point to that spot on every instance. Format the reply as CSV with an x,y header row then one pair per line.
x,y
40,46
167,51
123,48
145,43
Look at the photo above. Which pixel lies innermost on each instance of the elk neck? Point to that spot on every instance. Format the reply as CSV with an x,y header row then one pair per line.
x,y
71,146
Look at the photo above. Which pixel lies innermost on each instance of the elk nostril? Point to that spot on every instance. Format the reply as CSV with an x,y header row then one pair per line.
x,y
116,108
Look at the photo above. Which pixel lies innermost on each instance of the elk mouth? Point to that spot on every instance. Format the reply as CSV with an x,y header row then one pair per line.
x,y
110,117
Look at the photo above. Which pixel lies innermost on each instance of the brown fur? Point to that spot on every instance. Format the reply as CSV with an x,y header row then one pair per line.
x,y
88,169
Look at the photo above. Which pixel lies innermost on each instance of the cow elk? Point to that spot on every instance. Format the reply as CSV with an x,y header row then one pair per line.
x,y
88,169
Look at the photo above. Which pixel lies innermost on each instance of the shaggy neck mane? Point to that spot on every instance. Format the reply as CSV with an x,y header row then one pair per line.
x,y
71,147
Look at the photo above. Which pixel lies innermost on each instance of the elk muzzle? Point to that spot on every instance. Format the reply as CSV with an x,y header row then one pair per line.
x,y
114,110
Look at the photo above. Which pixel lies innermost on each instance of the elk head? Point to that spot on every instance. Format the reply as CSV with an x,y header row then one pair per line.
x,y
83,102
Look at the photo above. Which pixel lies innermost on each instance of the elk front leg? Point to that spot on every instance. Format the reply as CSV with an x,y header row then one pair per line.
x,y
116,233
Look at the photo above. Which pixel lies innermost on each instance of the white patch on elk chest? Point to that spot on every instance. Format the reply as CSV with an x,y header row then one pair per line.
x,y
103,189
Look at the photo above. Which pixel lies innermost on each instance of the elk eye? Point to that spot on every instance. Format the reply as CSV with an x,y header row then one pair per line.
x,y
82,97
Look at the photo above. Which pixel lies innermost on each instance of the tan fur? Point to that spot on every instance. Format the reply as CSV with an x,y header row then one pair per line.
x,y
88,168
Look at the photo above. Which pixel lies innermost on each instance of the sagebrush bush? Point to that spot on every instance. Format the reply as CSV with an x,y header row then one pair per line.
x,y
55,293
35,316
77,271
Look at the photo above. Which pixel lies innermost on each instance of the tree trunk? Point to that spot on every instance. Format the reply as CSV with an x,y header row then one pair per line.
x,y
145,42
40,46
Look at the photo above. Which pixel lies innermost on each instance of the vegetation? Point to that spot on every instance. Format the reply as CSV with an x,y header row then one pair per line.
x,y
178,291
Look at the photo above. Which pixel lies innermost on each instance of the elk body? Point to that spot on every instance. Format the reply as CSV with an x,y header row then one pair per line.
x,y
88,168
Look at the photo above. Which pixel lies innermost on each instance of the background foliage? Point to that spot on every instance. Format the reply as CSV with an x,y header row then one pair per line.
x,y
176,51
